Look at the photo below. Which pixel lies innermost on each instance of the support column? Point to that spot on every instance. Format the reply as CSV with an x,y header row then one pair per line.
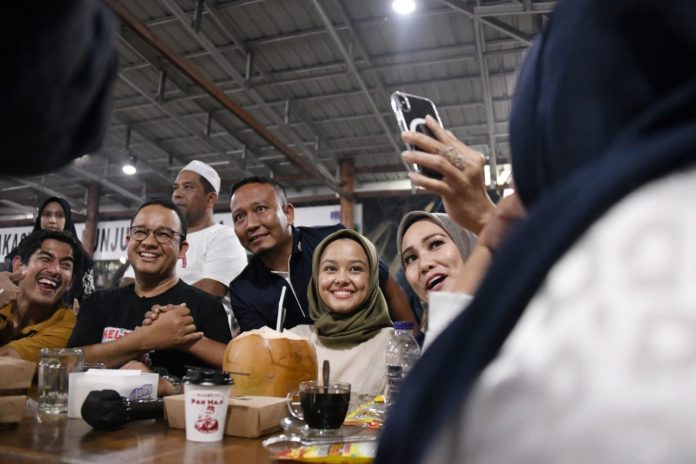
x,y
348,186
89,236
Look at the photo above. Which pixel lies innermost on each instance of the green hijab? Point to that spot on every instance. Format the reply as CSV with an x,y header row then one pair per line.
x,y
351,329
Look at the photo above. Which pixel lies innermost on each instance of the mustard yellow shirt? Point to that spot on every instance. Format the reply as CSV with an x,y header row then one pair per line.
x,y
54,332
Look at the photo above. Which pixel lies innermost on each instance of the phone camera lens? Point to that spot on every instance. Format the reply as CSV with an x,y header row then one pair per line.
x,y
405,106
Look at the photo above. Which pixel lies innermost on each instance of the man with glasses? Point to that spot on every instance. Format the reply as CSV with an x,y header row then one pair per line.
x,y
158,320
214,256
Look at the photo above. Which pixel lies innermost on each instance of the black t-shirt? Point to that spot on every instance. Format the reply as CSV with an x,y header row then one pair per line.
x,y
110,314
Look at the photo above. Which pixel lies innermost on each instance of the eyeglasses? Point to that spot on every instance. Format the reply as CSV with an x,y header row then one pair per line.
x,y
163,235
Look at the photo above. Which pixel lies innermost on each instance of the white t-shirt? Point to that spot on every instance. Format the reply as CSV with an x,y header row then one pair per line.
x,y
213,253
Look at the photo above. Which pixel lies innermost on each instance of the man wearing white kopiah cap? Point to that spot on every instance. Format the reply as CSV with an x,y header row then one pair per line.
x,y
214,256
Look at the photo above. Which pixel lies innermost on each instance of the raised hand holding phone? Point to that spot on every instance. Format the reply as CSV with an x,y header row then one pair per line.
x,y
462,185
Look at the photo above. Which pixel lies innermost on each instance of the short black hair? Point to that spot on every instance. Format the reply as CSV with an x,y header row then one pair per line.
x,y
280,191
32,242
166,203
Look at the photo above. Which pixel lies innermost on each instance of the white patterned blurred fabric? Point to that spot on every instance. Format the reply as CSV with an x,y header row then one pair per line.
x,y
601,368
443,308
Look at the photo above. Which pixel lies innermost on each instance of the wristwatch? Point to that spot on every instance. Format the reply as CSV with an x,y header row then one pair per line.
x,y
177,385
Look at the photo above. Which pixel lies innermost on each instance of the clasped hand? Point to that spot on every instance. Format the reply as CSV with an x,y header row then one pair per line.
x,y
169,326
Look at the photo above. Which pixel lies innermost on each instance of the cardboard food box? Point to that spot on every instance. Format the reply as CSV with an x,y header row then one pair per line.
x,y
247,416
15,380
11,408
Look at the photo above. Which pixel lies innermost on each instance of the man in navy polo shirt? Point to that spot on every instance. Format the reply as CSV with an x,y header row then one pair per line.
x,y
282,259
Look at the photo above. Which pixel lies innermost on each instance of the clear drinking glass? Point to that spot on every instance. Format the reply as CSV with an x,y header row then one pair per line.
x,y
55,364
322,408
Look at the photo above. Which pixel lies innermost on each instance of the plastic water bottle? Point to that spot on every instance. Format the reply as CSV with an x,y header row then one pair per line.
x,y
402,353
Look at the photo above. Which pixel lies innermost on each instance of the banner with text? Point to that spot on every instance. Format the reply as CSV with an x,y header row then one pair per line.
x,y
111,235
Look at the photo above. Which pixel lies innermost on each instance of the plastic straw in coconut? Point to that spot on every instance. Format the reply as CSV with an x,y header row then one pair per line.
x,y
281,310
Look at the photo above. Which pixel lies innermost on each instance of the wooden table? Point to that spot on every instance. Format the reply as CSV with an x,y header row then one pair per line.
x,y
59,439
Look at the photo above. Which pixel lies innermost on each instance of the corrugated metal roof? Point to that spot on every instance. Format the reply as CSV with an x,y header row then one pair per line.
x,y
300,87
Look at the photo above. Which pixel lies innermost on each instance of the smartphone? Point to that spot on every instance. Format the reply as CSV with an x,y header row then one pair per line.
x,y
410,112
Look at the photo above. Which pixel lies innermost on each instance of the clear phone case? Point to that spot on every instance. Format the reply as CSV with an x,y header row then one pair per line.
x,y
410,112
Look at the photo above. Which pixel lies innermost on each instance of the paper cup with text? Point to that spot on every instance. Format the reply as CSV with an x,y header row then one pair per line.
x,y
206,395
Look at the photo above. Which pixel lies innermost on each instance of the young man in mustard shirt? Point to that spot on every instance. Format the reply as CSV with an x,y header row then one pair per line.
x,y
39,318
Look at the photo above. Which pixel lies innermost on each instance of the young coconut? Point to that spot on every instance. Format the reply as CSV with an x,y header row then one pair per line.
x,y
275,362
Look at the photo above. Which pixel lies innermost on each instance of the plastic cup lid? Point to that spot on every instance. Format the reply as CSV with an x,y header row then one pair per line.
x,y
202,376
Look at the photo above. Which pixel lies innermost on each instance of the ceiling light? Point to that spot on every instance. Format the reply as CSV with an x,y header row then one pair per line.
x,y
129,166
404,6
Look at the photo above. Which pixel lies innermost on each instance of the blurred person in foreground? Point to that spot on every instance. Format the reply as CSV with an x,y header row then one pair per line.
x,y
59,62
578,346
351,320
60,66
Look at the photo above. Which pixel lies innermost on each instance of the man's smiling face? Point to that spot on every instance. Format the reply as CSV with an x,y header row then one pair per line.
x,y
49,273
261,222
149,256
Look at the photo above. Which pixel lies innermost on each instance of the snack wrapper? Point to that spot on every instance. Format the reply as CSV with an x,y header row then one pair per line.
x,y
334,453
368,414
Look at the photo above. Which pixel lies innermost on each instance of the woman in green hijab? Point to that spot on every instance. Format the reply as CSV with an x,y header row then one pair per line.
x,y
351,321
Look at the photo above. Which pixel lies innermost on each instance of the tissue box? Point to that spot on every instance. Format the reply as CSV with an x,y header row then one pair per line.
x,y
132,384
15,380
247,416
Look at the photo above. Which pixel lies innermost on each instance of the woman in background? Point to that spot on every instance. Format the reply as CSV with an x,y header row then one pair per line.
x,y
55,214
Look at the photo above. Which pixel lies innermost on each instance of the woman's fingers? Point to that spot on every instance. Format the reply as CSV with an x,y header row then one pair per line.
x,y
430,184
447,146
422,141
447,138
462,187
428,160
440,132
